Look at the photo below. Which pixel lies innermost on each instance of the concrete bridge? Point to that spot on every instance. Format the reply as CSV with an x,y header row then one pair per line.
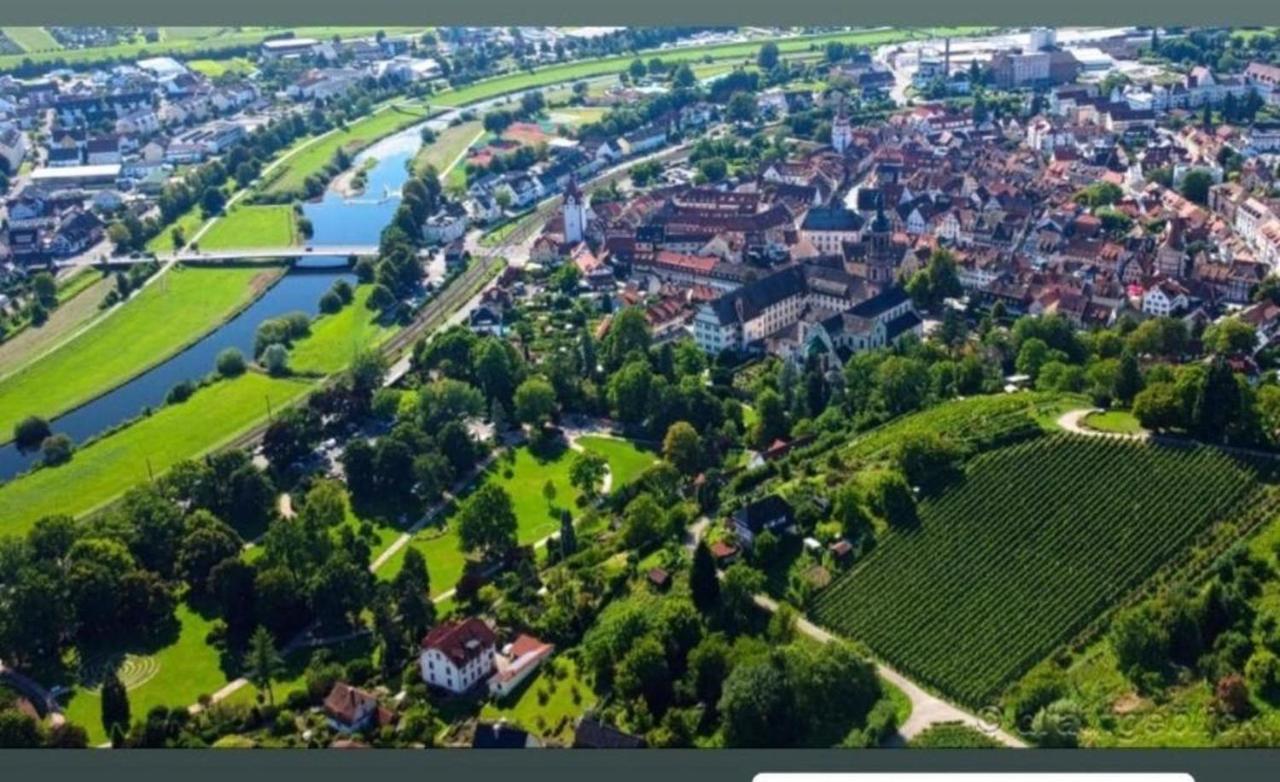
x,y
243,254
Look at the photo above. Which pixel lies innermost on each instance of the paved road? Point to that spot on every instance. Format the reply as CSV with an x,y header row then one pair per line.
x,y
926,708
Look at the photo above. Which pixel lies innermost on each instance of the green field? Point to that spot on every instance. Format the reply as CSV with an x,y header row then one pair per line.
x,y
952,735
336,339
252,226
554,74
104,469
626,461
32,39
449,144
1113,422
175,310
554,719
314,154
1035,543
189,221
175,676
78,299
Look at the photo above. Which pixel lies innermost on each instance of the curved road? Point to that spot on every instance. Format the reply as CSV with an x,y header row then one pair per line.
x,y
1072,421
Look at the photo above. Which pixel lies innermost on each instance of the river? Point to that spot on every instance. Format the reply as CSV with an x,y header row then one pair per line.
x,y
336,221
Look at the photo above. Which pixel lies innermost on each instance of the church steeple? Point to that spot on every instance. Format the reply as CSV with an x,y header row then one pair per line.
x,y
841,130
575,213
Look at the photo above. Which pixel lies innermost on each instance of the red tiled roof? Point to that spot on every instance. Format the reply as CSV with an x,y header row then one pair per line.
x,y
460,641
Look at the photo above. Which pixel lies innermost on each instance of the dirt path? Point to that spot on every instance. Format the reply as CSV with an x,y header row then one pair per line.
x,y
926,709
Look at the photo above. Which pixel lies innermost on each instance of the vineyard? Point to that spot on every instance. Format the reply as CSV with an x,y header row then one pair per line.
x,y
1039,540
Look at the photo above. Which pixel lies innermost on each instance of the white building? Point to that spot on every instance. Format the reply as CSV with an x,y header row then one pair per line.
x,y
457,655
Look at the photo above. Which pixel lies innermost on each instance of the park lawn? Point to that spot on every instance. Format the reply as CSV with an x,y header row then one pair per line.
x,y
184,670
336,339
314,154
577,115
524,474
449,144
554,719
439,547
252,226
32,39
105,468
189,221
293,675
1113,422
626,460
170,313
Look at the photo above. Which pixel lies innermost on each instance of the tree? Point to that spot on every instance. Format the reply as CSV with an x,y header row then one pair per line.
x,y
1219,405
758,706
771,418
262,662
587,471
212,201
738,593
1128,380
1158,407
704,585
30,432
535,401
487,520
1230,336
643,673
411,588
683,447
768,56
276,360
893,498
115,708
628,333
642,522
568,537
230,363
852,513
1195,186
56,449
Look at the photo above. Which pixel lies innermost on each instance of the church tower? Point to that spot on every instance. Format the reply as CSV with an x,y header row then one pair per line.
x,y
575,213
880,260
841,130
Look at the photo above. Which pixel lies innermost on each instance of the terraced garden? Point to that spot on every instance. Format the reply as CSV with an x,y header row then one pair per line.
x,y
1037,541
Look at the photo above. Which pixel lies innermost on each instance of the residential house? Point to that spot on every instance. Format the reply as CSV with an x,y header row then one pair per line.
x,y
351,710
770,514
457,655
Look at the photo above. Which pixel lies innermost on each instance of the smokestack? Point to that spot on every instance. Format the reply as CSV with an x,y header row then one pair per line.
x,y
946,58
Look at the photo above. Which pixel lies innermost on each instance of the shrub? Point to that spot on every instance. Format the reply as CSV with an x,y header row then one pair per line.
x,y
231,363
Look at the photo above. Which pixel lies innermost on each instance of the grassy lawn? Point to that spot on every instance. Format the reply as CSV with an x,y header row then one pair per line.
x,y
176,675
32,39
336,339
314,155
104,469
449,144
524,474
626,460
577,115
555,718
189,221
252,226
215,68
1114,422
439,547
78,299
166,316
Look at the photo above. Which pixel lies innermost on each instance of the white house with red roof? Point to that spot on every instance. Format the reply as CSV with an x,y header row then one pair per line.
x,y
458,655
519,659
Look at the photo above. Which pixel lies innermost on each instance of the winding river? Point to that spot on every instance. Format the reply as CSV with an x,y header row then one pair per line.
x,y
336,220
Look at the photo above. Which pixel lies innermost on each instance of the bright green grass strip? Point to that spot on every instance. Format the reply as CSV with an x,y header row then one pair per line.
x,y
626,460
175,310
32,39
336,339
252,226
189,221
102,470
314,155
183,671
449,144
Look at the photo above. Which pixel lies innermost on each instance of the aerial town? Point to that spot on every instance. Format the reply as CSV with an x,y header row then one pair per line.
x,y
609,387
